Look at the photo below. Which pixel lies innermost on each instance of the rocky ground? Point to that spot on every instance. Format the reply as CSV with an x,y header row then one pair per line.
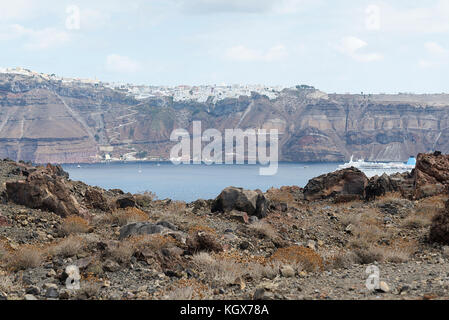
x,y
326,241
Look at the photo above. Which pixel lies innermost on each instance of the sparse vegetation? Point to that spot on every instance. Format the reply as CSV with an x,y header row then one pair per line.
x,y
297,249
145,198
74,225
25,257
263,229
221,272
67,247
129,215
307,258
123,252
417,221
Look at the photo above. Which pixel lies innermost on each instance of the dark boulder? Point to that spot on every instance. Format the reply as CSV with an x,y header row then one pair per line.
x,y
203,241
439,230
140,228
125,201
253,202
349,181
379,186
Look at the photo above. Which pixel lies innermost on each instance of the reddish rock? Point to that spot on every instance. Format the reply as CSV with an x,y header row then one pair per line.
x,y
46,189
95,199
431,174
239,216
439,231
346,182
3,221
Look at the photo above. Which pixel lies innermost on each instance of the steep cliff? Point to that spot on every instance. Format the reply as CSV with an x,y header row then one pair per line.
x,y
44,120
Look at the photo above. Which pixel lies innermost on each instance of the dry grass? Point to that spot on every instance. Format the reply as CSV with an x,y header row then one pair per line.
x,y
221,272
400,250
425,210
395,255
253,267
67,247
24,258
263,229
367,254
74,225
186,289
123,252
365,234
397,252
269,270
129,215
176,207
7,284
154,242
388,197
340,260
367,228
195,228
185,293
417,221
145,198
299,257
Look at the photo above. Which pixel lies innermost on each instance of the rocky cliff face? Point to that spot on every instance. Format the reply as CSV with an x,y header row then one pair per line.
x,y
51,121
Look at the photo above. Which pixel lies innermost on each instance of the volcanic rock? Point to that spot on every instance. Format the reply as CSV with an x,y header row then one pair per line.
x,y
439,231
252,202
95,199
349,181
139,228
431,174
46,189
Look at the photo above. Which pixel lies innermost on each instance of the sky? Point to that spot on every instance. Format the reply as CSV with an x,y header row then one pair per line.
x,y
337,46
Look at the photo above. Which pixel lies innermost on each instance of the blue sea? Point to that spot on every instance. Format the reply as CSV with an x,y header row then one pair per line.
x,y
191,182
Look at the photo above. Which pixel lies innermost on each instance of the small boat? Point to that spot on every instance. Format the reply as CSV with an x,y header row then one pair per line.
x,y
78,166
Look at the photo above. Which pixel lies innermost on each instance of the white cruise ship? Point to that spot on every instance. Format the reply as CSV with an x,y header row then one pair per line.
x,y
368,165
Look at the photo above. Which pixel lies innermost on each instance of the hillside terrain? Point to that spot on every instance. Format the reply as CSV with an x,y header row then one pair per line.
x,y
343,236
43,119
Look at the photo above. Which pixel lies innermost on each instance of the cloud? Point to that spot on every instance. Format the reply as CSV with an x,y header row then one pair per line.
x,y
437,56
351,46
435,49
242,53
121,64
240,6
18,10
433,18
35,39
92,18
